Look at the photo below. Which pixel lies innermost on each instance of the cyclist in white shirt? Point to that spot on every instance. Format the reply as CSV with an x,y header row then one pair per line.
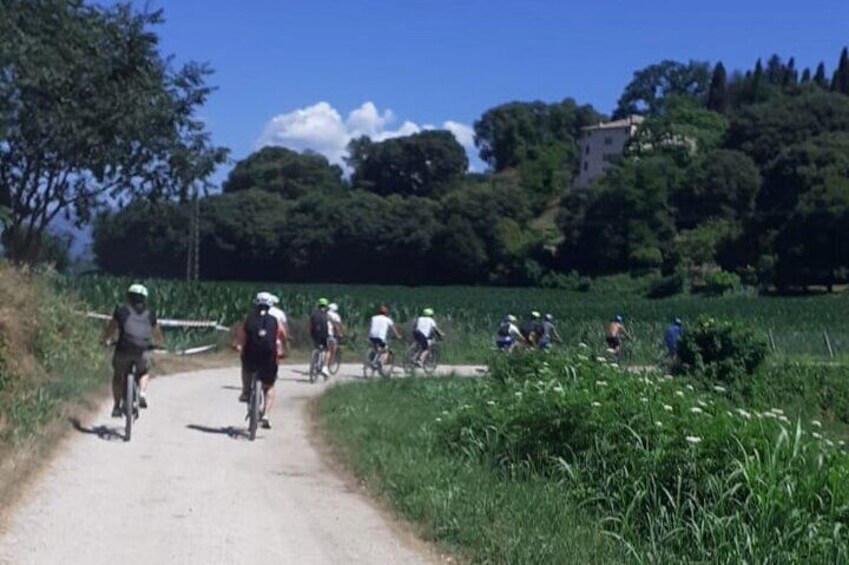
x,y
508,334
425,330
335,331
379,329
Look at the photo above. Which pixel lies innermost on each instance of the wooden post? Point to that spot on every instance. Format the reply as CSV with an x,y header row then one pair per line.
x,y
828,344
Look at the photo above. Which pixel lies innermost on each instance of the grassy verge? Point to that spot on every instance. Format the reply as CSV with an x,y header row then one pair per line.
x,y
386,433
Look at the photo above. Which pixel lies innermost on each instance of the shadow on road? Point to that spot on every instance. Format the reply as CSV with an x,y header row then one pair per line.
x,y
103,432
229,431
231,387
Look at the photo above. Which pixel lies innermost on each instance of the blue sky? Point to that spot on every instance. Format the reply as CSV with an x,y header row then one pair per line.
x,y
443,63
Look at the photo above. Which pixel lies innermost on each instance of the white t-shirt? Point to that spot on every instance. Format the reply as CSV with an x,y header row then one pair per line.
x,y
333,318
425,325
380,326
278,313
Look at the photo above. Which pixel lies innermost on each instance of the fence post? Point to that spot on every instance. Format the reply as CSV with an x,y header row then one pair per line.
x,y
828,344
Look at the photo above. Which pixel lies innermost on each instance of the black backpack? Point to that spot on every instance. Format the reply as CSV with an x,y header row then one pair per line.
x,y
318,324
504,329
261,334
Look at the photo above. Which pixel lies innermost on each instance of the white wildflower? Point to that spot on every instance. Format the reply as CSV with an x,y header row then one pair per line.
x,y
693,440
439,419
583,345
596,404
784,419
776,410
728,413
690,388
610,351
601,359
816,423
643,399
718,388
679,393
601,383
829,443
667,407
659,424
702,403
696,410
517,394
490,402
615,365
816,435
668,377
583,358
558,389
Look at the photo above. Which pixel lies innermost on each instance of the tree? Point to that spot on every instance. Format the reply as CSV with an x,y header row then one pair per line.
x,y
819,76
651,86
721,184
419,164
96,117
840,81
506,134
284,172
717,99
806,76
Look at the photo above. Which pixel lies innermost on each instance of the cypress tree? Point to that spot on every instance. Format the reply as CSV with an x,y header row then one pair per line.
x,y
840,82
791,76
806,76
819,76
718,90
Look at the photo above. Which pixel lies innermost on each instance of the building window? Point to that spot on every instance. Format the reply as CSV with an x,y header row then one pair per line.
x,y
608,141
588,150
611,158
586,165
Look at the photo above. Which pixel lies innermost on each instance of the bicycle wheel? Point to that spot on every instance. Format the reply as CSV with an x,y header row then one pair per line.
x,y
368,364
337,361
385,368
315,363
409,360
129,404
432,360
254,407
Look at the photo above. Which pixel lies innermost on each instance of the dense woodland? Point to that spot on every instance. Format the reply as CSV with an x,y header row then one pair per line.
x,y
739,176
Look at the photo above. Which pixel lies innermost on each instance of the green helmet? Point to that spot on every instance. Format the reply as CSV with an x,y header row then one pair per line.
x,y
137,289
323,302
427,312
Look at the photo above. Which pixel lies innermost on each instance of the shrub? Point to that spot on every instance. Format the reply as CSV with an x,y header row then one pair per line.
x,y
721,350
718,283
666,286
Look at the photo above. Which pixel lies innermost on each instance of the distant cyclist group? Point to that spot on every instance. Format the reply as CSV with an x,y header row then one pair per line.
x,y
262,339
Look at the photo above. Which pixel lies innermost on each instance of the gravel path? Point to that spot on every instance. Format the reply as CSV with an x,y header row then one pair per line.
x,y
190,488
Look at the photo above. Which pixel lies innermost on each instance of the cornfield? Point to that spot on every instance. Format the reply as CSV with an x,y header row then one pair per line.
x,y
797,326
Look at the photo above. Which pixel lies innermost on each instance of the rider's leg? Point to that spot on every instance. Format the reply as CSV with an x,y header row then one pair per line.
x,y
269,397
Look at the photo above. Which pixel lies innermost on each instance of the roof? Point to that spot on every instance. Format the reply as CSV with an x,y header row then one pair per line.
x,y
628,122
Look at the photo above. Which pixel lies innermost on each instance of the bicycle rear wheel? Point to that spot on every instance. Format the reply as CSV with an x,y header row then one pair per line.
x,y
388,365
337,361
315,361
432,360
129,404
409,360
368,364
254,407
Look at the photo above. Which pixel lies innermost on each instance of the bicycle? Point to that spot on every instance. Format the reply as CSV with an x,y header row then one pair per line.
x,y
317,362
333,366
374,364
256,406
411,356
131,401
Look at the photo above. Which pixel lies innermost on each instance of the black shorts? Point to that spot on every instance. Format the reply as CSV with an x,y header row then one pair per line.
x,y
613,342
264,369
319,341
377,342
422,340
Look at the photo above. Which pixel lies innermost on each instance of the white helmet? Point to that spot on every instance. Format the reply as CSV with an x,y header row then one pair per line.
x,y
264,299
511,318
138,289
333,307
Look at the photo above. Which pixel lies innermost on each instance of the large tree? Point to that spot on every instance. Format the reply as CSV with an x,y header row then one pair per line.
x,y
284,172
91,115
653,85
418,164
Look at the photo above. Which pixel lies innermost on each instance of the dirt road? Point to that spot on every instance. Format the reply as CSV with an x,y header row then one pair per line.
x,y
190,488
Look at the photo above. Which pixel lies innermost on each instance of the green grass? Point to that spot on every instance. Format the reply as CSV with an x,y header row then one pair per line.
x,y
386,432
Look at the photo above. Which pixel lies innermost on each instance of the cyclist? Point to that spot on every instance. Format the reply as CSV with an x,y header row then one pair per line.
x,y
532,329
425,330
138,331
616,332
282,322
672,337
319,333
256,340
508,334
335,331
378,333
550,335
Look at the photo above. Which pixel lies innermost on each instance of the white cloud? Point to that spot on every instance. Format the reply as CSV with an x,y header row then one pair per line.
x,y
321,128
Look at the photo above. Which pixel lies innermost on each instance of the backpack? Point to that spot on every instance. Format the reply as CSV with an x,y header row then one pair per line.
x,y
261,334
504,329
136,331
318,324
